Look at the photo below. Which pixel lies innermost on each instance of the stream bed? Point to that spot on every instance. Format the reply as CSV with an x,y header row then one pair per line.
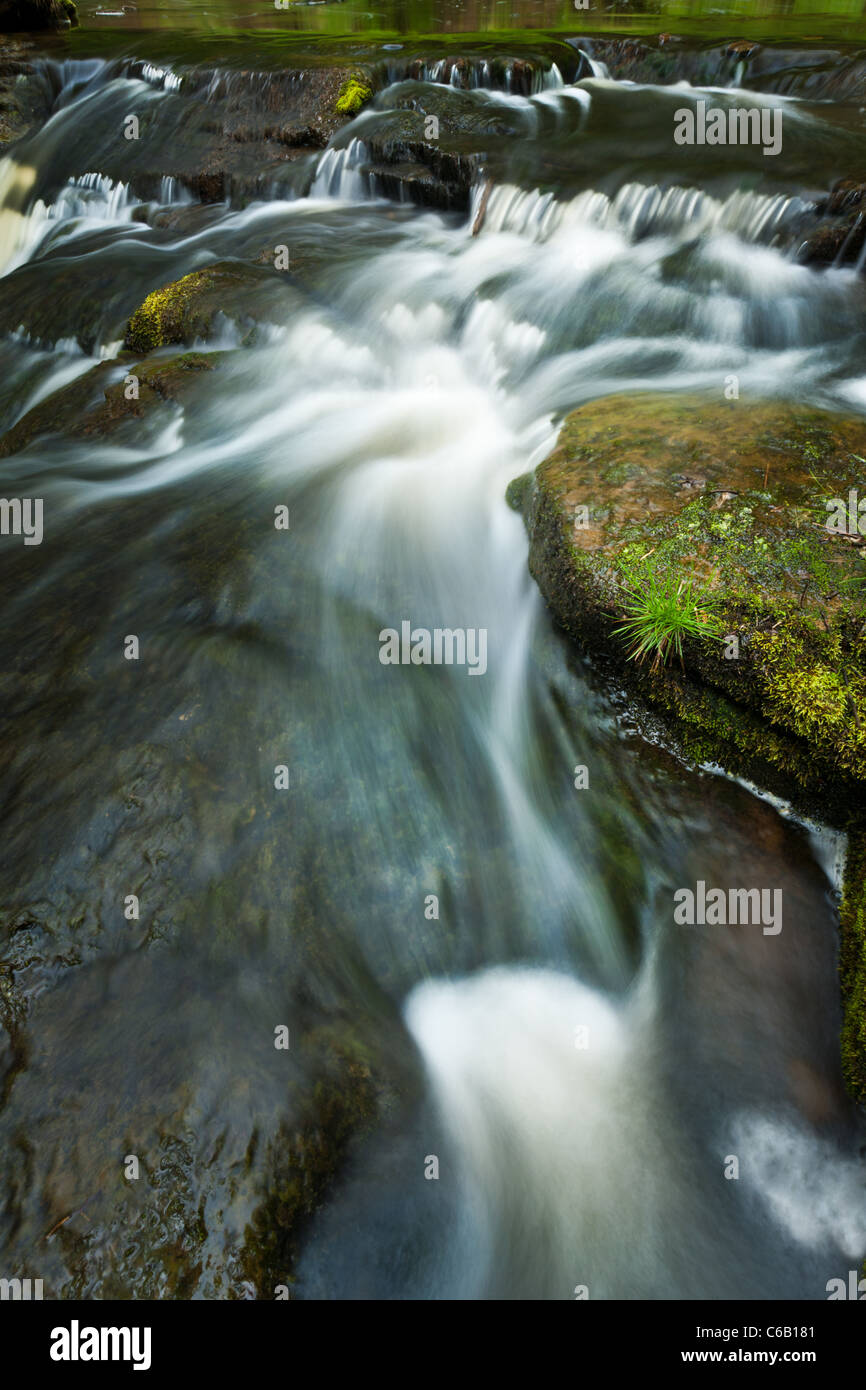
x,y
475,957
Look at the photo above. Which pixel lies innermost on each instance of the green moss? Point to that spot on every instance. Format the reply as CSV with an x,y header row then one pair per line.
x,y
727,506
714,729
353,95
852,967
516,492
811,680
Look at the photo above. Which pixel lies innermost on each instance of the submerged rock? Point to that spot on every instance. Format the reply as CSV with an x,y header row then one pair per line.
x,y
108,396
836,231
156,790
157,1196
338,1109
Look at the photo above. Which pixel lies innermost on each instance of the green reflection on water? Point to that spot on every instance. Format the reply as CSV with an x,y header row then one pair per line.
x,y
780,19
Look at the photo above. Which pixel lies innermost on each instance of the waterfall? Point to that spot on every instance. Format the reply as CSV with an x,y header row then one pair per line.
x,y
339,173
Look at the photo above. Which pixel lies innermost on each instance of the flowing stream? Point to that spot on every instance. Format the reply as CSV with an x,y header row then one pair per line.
x,y
409,371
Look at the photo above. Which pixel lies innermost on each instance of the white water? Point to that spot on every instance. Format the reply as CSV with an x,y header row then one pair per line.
x,y
809,1187
567,1163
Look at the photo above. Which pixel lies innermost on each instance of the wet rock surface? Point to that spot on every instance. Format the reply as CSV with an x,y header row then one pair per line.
x,y
109,395
120,1033
839,237
731,498
249,133
811,71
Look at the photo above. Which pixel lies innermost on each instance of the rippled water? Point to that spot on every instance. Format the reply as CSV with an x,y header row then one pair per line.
x,y
409,372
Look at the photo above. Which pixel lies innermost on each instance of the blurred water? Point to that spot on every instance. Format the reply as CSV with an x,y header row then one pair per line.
x,y
410,371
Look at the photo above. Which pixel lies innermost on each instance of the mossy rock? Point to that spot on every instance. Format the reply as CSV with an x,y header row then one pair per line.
x,y
24,102
189,309
733,498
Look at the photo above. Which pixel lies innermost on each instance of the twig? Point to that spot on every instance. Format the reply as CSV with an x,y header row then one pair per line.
x,y
59,1224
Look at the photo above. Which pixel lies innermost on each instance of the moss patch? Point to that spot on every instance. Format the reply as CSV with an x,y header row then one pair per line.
x,y
353,95
166,316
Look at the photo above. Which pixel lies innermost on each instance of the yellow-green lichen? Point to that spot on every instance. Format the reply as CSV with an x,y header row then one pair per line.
x,y
812,682
352,96
159,320
186,309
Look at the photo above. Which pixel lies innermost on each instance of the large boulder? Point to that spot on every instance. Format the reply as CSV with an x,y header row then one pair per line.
x,y
732,501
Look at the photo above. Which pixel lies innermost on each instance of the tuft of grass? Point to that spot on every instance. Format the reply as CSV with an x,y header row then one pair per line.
x,y
661,611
